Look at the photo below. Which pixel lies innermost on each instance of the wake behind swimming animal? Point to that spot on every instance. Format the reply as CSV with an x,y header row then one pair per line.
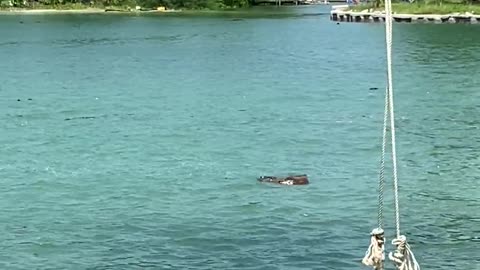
x,y
291,180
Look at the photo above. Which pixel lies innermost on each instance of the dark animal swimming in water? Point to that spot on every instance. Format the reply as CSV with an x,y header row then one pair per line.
x,y
291,180
81,117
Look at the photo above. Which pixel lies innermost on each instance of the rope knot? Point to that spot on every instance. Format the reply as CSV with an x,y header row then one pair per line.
x,y
403,257
374,256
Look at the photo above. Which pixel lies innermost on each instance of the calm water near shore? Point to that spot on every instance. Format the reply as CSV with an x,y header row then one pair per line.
x,y
133,142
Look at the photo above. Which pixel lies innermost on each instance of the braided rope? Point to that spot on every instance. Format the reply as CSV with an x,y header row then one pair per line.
x,y
402,257
381,178
388,30
375,254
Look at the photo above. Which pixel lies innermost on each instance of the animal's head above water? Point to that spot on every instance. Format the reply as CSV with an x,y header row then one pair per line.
x,y
291,180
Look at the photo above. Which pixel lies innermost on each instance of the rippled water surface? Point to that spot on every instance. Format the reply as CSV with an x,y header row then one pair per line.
x,y
133,142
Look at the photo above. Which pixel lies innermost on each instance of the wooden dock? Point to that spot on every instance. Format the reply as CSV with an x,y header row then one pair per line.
x,y
340,14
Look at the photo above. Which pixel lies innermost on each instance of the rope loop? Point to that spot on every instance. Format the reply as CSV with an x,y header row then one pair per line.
x,y
375,256
403,257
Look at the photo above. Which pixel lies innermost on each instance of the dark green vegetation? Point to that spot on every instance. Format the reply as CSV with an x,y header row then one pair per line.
x,y
79,4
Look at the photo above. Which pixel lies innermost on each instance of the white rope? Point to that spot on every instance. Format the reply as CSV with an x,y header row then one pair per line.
x,y
402,257
388,30
375,252
375,255
381,178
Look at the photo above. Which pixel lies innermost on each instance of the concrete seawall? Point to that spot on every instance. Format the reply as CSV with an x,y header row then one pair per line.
x,y
342,15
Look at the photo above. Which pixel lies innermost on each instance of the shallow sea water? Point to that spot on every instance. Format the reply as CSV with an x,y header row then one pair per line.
x,y
136,141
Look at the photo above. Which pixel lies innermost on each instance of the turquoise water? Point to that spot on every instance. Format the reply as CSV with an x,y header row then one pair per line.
x,y
136,141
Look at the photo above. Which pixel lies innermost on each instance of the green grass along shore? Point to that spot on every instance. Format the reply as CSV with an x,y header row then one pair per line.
x,y
399,8
424,8
76,8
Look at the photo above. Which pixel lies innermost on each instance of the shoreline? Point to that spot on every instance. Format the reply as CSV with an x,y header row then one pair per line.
x,y
21,11
142,11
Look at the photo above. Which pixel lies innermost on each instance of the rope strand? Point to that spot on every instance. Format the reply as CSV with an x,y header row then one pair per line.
x,y
389,30
375,254
402,257
381,179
